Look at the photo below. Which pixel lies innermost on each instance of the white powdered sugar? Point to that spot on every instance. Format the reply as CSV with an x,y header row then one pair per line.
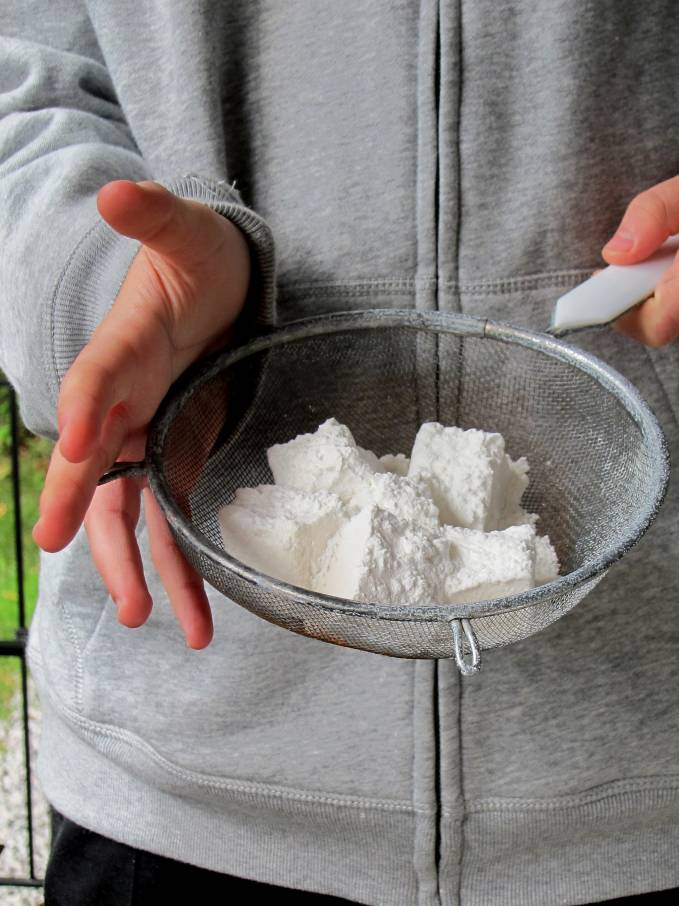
x,y
398,463
281,531
328,460
471,479
376,556
443,526
489,564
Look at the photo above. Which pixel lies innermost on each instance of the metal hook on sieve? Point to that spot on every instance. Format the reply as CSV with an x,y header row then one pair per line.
x,y
123,470
466,667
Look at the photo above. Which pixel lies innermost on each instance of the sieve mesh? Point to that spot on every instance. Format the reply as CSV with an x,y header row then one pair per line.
x,y
598,459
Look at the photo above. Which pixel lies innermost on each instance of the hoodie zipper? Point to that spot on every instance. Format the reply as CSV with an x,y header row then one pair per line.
x,y
437,189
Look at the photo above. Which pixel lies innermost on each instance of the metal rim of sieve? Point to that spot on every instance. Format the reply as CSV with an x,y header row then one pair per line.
x,y
437,322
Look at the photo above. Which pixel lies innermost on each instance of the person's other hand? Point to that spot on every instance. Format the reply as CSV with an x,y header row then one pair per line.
x,y
650,218
185,288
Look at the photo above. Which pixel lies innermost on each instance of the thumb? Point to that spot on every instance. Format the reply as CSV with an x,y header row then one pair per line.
x,y
182,230
650,218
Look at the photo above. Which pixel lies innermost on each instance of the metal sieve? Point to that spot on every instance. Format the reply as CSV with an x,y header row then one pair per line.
x,y
599,465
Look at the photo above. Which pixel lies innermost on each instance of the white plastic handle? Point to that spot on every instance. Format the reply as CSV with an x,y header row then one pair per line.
x,y
611,292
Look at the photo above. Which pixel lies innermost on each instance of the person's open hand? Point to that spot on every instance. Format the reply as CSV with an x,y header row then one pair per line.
x,y
184,290
650,218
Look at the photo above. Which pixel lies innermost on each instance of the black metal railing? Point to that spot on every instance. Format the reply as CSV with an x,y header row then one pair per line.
x,y
16,647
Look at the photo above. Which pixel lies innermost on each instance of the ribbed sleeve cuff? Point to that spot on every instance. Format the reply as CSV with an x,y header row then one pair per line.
x,y
223,198
94,273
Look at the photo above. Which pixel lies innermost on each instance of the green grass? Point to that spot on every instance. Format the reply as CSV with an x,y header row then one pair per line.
x,y
33,457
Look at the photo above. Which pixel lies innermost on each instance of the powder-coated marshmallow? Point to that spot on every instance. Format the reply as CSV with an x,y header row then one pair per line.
x,y
328,460
375,557
489,565
397,463
472,481
341,522
279,531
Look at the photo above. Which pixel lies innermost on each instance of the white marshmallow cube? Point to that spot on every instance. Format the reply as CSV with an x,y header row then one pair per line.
x,y
397,463
405,498
375,557
279,531
472,481
488,565
546,561
327,460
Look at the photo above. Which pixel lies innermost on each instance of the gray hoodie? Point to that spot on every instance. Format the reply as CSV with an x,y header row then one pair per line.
x,y
449,155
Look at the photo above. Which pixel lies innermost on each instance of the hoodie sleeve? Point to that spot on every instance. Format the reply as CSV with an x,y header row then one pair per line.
x,y
63,135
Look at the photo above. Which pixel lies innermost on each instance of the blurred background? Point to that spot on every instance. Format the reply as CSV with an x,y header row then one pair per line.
x,y
23,811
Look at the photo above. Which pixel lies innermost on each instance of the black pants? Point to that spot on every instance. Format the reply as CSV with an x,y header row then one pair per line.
x,y
86,869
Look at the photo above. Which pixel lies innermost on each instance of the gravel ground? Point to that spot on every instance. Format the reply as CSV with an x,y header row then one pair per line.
x,y
14,857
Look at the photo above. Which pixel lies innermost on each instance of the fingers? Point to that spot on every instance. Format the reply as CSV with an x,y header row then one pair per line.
x,y
103,403
69,487
183,585
96,382
649,219
185,231
110,523
656,321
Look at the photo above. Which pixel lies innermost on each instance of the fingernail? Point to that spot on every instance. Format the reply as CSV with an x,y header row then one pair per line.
x,y
623,241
